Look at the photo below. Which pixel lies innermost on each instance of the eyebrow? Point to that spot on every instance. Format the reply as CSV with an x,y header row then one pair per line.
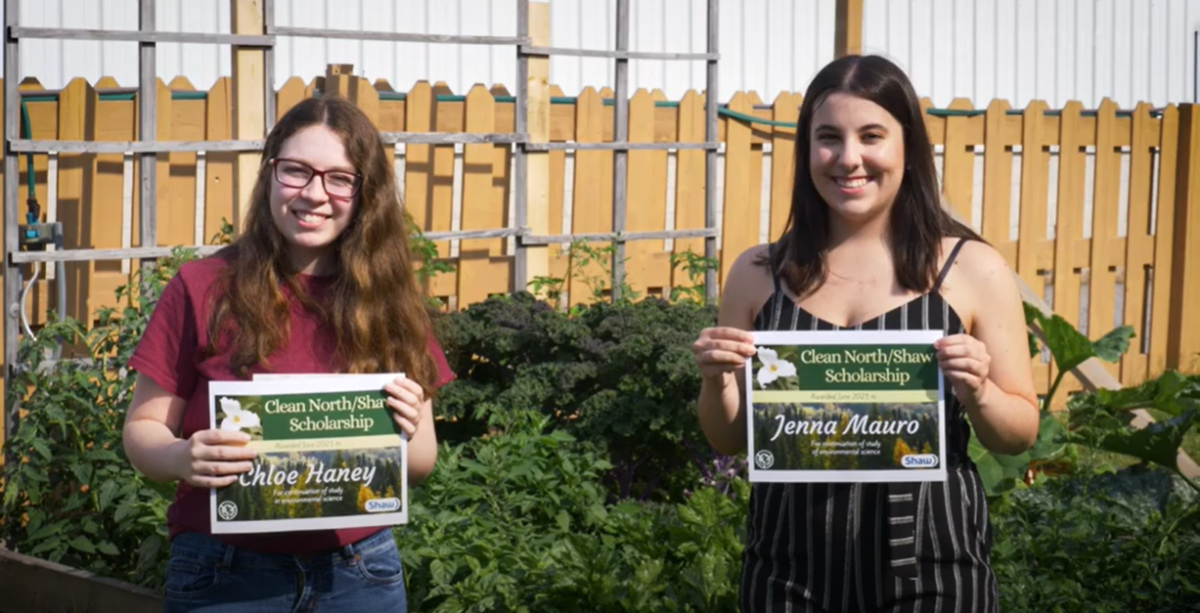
x,y
874,126
344,169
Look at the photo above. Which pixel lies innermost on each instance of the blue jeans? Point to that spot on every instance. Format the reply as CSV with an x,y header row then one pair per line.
x,y
204,574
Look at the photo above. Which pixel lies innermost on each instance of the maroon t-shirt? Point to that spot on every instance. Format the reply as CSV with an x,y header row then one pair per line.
x,y
169,353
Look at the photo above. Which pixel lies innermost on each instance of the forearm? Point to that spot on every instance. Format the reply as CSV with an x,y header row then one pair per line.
x,y
422,457
153,449
1004,423
721,414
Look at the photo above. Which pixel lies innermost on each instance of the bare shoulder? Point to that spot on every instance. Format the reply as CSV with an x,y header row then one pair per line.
x,y
979,258
747,286
979,281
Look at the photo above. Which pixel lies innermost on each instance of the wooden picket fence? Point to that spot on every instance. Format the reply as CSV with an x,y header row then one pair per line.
x,y
1028,179
1111,253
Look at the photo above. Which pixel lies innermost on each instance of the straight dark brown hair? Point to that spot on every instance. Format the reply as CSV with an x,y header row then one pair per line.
x,y
917,222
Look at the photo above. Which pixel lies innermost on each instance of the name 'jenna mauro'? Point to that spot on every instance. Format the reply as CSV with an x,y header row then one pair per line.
x,y
858,424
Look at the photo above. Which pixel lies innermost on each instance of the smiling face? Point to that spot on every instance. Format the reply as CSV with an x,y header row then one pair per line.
x,y
309,218
856,157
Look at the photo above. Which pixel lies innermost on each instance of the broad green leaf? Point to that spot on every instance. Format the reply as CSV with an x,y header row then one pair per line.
x,y
54,414
1158,442
1085,407
45,531
440,575
1171,393
108,549
473,466
1049,441
563,519
148,551
36,517
688,515
107,491
1176,393
82,472
1071,348
83,544
10,494
1067,345
123,511
561,436
43,449
998,472
46,545
1113,345
103,455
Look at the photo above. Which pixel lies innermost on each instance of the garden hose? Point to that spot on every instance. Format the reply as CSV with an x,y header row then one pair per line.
x,y
33,210
31,214
24,295
32,218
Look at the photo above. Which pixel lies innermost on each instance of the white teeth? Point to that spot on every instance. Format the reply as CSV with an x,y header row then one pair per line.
x,y
851,183
310,217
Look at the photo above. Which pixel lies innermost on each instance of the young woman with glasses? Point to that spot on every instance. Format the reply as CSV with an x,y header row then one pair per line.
x,y
319,281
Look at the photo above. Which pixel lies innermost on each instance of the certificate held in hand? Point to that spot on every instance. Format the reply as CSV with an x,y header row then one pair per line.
x,y
330,456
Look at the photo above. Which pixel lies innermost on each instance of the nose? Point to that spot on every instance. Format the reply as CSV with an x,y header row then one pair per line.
x,y
850,156
315,191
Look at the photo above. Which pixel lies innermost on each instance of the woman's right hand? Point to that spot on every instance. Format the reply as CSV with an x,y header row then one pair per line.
x,y
721,350
214,458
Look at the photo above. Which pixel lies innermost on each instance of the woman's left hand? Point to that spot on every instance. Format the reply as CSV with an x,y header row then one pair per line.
x,y
964,360
405,399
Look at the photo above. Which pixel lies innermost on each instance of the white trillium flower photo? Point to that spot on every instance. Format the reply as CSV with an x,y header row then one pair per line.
x,y
772,367
235,418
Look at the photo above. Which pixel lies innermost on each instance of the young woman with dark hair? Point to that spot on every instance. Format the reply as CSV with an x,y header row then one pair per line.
x,y
319,281
868,246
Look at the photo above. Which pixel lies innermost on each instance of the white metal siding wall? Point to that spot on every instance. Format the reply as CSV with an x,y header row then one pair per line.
x,y
1056,50
768,45
1053,50
55,63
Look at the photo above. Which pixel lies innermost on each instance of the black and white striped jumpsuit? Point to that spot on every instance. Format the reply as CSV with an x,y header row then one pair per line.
x,y
866,547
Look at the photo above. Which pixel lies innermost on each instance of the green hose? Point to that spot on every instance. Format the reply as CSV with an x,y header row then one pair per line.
x,y
31,212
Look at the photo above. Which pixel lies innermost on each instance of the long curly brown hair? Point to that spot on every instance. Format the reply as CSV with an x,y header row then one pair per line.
x,y
375,306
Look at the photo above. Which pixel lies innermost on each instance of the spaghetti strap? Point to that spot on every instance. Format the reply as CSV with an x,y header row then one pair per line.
x,y
771,265
946,267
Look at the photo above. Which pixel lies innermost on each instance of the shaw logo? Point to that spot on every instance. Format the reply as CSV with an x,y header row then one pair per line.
x,y
383,505
927,460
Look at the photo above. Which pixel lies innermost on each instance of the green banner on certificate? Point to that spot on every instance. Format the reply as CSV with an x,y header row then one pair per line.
x,y
845,406
329,454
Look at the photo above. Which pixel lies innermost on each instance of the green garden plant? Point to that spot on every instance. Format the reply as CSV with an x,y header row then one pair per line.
x,y
1098,543
573,475
70,494
582,258
581,255
695,267
617,375
425,252
1101,420
520,521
